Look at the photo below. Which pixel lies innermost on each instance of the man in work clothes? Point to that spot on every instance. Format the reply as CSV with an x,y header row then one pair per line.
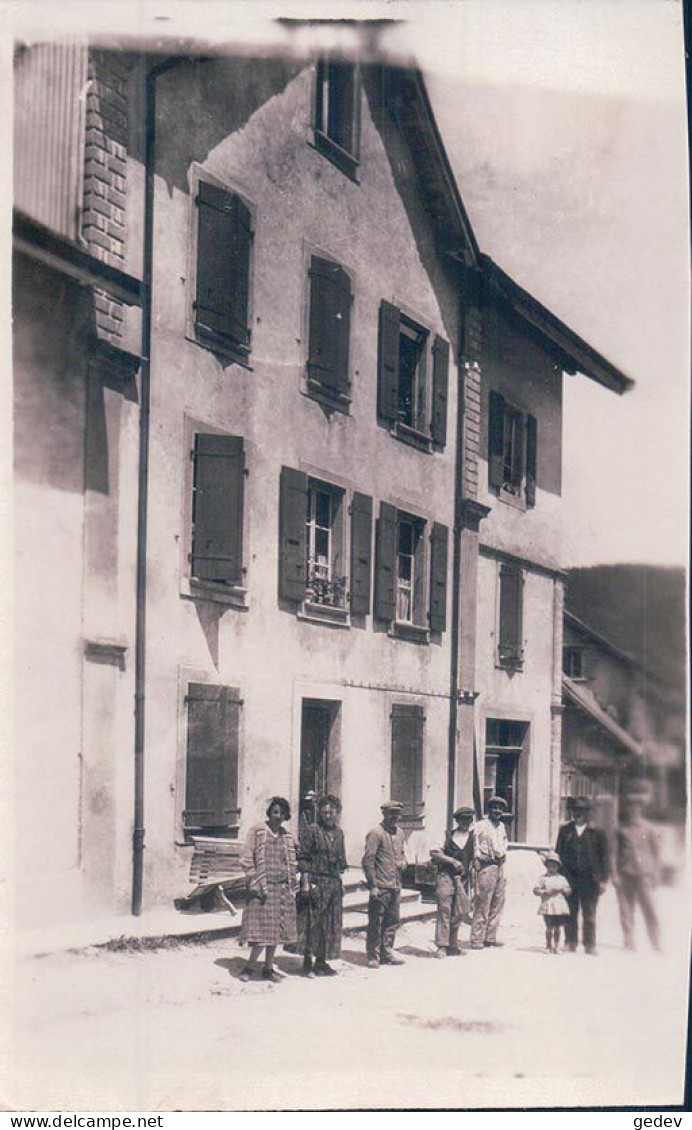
x,y
637,871
583,851
489,854
383,863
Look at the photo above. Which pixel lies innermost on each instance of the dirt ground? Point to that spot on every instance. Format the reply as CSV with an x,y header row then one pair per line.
x,y
174,1029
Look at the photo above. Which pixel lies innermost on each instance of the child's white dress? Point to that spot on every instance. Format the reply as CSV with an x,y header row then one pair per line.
x,y
552,890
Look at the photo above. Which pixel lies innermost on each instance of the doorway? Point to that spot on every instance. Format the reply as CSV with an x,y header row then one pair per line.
x,y
320,747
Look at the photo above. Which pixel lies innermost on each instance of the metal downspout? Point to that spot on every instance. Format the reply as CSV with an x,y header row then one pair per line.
x,y
456,583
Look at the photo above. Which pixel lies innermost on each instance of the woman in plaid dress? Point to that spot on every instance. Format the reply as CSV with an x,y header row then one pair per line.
x,y
269,863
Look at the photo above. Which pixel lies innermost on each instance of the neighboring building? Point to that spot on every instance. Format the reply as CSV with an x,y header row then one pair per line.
x,y
303,511
616,729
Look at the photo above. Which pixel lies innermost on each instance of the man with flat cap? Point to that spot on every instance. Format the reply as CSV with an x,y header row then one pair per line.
x,y
489,854
453,865
583,851
384,860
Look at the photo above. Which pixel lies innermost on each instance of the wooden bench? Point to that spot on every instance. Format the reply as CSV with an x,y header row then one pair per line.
x,y
216,872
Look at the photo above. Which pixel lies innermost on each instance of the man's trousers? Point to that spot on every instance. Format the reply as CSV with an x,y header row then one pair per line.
x,y
452,905
383,919
488,904
584,897
633,889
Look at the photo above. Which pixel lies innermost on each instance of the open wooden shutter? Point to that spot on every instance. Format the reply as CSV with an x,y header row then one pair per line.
x,y
496,439
511,614
388,363
293,508
531,459
437,615
438,424
361,552
217,509
213,747
385,563
224,239
330,325
407,757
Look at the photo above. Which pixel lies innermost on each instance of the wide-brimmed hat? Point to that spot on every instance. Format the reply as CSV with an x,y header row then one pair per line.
x,y
463,810
551,857
496,802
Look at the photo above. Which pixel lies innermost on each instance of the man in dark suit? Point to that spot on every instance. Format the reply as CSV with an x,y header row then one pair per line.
x,y
583,851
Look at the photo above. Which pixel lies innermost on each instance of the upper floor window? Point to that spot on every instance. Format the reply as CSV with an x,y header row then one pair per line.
x,y
512,451
573,662
337,116
410,573
329,332
510,651
316,569
223,266
413,379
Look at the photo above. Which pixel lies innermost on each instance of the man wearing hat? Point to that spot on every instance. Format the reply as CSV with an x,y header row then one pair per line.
x,y
383,863
583,851
489,854
453,865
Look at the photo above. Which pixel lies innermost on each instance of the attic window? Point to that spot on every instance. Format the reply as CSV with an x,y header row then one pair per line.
x,y
337,119
573,662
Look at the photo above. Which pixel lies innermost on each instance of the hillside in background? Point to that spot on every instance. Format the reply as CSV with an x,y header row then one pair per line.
x,y
640,609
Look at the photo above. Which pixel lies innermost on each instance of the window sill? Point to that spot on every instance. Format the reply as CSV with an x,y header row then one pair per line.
x,y
345,162
402,629
330,398
420,440
218,345
510,664
235,596
324,614
518,501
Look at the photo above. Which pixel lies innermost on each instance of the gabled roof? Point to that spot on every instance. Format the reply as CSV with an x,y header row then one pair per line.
x,y
581,699
600,639
574,354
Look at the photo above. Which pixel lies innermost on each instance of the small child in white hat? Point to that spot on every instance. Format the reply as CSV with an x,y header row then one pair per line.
x,y
553,891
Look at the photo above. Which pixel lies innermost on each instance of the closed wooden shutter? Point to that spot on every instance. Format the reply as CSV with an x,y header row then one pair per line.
x,y
388,363
361,553
531,459
224,239
330,325
293,508
511,614
496,439
385,563
213,749
217,509
407,757
438,426
438,578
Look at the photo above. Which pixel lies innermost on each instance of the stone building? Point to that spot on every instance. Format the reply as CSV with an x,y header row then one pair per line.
x,y
288,457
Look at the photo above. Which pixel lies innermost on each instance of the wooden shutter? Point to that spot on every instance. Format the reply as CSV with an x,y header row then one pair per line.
x,y
213,727
531,459
437,615
438,424
496,439
511,614
330,325
407,757
293,508
385,563
217,509
224,238
361,551
388,363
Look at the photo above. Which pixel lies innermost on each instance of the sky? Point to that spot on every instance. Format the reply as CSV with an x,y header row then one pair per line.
x,y
564,121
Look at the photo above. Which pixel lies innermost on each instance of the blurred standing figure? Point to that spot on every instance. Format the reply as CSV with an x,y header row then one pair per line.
x,y
489,854
384,860
637,871
453,864
583,851
269,863
321,859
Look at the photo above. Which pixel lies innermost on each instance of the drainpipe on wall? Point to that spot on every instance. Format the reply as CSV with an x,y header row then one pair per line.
x,y
143,494
456,589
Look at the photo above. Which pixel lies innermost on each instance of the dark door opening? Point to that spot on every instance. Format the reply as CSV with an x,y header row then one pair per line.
x,y
505,770
320,752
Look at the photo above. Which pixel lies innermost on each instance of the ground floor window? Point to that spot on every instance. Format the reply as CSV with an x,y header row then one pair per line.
x,y
505,746
408,724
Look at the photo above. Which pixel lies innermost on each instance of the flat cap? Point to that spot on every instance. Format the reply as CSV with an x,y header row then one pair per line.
x,y
496,802
464,810
580,803
392,806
